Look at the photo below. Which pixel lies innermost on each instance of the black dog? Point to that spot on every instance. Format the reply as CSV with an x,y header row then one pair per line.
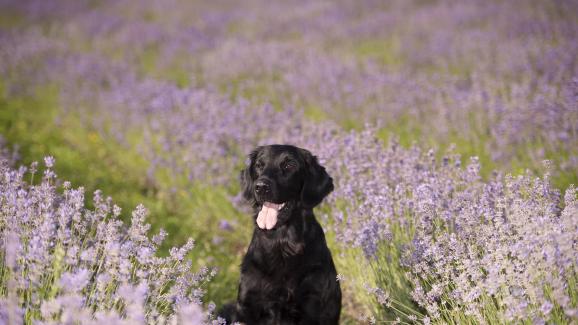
x,y
287,275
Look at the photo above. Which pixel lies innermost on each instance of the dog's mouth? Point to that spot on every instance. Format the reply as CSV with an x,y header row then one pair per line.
x,y
267,217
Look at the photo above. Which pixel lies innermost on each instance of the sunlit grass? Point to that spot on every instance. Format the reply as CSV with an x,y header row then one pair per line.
x,y
85,159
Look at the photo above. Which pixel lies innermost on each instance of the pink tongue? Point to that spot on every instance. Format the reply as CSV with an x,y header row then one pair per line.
x,y
267,217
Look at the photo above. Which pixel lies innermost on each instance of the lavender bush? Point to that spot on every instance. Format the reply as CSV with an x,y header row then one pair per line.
x,y
64,263
502,251
471,250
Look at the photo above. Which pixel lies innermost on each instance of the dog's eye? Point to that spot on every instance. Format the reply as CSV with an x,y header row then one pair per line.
x,y
289,165
259,165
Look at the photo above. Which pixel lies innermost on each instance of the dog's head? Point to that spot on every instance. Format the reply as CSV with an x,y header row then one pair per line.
x,y
282,176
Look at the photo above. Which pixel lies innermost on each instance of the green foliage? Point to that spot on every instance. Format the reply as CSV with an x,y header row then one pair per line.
x,y
86,159
384,51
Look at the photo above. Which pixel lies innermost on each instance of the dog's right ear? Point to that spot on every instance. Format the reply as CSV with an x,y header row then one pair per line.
x,y
318,184
246,178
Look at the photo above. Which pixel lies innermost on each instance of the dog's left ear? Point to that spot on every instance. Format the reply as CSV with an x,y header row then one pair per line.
x,y
246,179
318,184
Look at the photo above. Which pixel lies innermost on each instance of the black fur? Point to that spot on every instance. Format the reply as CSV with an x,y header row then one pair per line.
x,y
287,275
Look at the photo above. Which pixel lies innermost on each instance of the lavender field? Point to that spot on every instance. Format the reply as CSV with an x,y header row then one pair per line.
x,y
449,127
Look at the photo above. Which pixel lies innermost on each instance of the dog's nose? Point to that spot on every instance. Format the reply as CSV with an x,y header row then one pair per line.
x,y
262,187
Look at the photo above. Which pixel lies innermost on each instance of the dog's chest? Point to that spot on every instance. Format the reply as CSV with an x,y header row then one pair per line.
x,y
279,285
280,260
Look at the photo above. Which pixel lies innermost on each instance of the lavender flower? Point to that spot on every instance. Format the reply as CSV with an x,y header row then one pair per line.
x,y
63,263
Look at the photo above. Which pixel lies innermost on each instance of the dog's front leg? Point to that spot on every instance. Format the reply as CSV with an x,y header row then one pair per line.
x,y
310,310
253,306
319,298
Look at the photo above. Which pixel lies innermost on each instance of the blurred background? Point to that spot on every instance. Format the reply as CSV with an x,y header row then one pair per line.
x,y
158,102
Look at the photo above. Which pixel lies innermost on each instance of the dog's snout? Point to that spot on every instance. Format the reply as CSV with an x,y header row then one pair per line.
x,y
262,187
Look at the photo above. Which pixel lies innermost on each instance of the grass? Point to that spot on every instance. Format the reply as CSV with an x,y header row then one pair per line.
x,y
408,133
10,19
85,159
386,52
